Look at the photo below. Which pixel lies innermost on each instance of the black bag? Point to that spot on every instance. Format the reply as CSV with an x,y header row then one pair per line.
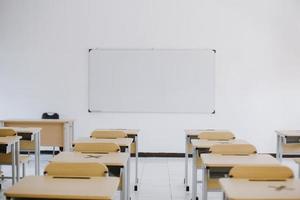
x,y
49,115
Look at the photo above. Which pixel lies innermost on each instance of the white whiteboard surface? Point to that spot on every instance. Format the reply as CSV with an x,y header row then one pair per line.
x,y
152,80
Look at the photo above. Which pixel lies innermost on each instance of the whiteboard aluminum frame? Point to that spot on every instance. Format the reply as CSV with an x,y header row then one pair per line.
x,y
149,49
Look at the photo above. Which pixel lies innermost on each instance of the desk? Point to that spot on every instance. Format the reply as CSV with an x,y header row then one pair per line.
x,y
111,159
55,132
288,142
202,146
228,161
11,144
48,187
243,189
132,133
30,134
189,135
297,160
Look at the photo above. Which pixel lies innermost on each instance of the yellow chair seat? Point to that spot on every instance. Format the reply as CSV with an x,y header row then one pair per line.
x,y
26,145
213,184
5,159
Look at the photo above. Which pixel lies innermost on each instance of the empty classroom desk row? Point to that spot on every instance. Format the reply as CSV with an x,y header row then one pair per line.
x,y
216,153
93,163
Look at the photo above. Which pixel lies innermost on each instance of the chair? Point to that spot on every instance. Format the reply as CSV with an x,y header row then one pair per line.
x,y
226,149
233,149
108,134
97,147
60,169
261,172
6,159
216,135
213,135
5,131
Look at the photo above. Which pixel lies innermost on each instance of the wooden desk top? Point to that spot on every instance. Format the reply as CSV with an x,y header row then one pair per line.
x,y
288,132
23,130
127,131
47,187
37,120
123,142
195,132
208,143
8,140
110,159
243,189
217,160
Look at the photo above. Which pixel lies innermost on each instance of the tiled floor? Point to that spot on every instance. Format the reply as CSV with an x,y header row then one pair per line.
x,y
160,178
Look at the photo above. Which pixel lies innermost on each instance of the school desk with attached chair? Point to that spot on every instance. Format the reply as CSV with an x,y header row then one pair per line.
x,y
216,166
260,182
202,146
111,160
10,145
288,142
28,135
207,134
129,133
67,181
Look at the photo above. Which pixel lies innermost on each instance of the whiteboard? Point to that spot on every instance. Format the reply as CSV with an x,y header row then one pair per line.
x,y
152,80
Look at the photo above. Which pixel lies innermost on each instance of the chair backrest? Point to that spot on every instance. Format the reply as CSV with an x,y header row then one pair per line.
x,y
261,172
7,132
61,169
108,134
97,147
216,135
50,115
233,149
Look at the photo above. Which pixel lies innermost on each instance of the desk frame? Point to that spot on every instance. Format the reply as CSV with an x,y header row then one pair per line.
x,y
35,136
281,141
68,128
189,135
15,152
132,133
205,171
126,172
136,141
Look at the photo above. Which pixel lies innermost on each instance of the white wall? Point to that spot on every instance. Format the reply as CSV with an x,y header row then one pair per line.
x,y
43,62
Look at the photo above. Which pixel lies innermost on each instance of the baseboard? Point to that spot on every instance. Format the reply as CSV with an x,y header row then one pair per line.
x,y
160,154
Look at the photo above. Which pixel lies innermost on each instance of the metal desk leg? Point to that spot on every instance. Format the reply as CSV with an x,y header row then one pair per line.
x,y
194,175
13,164
278,148
128,175
123,189
204,185
67,131
282,142
186,160
128,179
17,157
136,163
299,171
37,153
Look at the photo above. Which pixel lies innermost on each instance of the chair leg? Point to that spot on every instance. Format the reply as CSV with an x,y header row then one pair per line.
x,y
224,196
23,170
53,151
